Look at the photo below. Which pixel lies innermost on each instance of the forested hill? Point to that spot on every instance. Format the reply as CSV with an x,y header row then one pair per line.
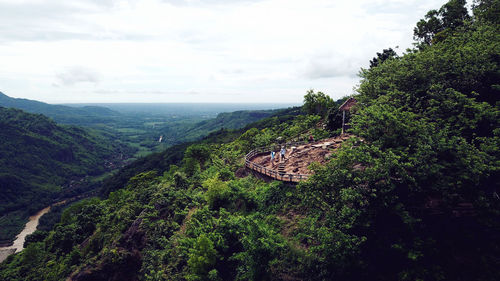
x,y
60,113
236,119
413,197
38,158
226,120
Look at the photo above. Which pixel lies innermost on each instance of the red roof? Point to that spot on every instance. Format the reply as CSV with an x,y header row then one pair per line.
x,y
346,106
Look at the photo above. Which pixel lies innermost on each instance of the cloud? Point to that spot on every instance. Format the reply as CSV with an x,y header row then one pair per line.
x,y
145,92
234,71
208,2
49,20
77,74
271,50
331,66
318,70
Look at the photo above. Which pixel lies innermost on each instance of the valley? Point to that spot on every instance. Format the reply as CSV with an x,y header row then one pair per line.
x,y
140,126
108,141
397,179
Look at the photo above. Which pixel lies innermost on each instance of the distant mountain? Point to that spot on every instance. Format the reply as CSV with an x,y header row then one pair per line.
x,y
205,110
61,113
234,120
39,157
226,120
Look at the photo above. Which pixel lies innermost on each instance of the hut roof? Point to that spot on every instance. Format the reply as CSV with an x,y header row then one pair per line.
x,y
346,106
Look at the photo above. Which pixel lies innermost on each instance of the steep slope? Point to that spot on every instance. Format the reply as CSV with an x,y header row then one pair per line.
x,y
39,158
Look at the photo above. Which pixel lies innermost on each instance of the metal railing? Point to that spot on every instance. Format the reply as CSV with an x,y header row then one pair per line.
x,y
270,172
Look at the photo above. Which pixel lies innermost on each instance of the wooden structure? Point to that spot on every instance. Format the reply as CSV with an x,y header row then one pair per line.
x,y
295,167
275,174
346,106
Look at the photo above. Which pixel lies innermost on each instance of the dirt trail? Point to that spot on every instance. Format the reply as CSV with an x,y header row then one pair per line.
x,y
298,158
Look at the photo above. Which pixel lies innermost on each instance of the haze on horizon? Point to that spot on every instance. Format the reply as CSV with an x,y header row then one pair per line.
x,y
241,51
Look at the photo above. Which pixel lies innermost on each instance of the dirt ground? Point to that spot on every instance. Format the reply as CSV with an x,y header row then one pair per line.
x,y
298,158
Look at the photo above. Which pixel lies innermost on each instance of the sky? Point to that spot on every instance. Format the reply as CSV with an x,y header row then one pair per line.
x,y
162,51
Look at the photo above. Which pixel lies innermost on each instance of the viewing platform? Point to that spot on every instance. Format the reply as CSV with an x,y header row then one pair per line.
x,y
298,157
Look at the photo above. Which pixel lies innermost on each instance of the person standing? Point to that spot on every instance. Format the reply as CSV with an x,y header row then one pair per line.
x,y
283,151
272,158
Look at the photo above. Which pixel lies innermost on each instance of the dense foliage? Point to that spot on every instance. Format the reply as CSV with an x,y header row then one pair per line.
x,y
317,103
438,23
412,197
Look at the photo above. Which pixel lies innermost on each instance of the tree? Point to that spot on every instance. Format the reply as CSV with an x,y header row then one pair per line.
x,y
317,103
450,16
428,27
199,152
454,13
487,10
381,57
202,258
334,119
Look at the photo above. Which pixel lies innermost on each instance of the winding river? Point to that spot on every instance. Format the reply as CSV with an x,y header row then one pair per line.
x,y
29,228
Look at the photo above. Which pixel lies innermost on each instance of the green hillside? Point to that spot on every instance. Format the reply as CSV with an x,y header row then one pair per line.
x,y
39,159
413,196
227,120
60,113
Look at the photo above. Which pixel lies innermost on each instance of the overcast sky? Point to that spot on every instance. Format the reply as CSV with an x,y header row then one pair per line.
x,y
196,50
